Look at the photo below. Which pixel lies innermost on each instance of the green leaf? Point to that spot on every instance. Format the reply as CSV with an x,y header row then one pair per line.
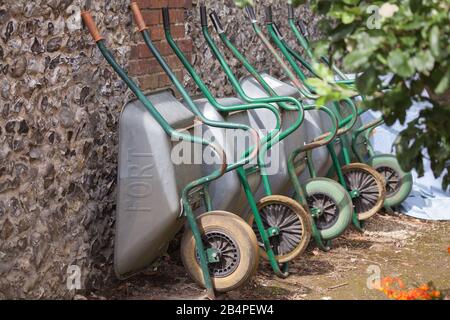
x,y
323,7
351,2
356,59
369,42
434,41
423,61
399,62
368,81
321,48
413,25
444,84
408,41
342,31
382,59
347,17
415,5
322,101
320,86
324,72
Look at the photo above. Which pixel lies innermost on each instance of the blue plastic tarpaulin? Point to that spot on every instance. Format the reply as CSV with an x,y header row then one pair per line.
x,y
427,199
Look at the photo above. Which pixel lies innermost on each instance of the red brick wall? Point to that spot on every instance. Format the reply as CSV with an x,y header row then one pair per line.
x,y
143,65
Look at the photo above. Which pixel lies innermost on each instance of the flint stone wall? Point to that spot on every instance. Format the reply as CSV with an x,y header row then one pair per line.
x,y
59,109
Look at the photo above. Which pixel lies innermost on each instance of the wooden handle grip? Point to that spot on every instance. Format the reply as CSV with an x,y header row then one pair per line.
x,y
138,16
90,24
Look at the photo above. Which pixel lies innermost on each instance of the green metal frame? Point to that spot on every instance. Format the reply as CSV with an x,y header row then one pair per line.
x,y
282,102
291,163
349,122
266,143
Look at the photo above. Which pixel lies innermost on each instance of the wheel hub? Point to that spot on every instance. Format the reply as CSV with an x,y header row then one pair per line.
x,y
213,255
367,189
222,252
354,194
282,226
325,211
273,231
391,178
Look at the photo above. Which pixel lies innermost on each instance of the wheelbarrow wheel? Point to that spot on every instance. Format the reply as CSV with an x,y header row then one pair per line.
x,y
244,224
398,182
369,186
291,222
231,241
332,205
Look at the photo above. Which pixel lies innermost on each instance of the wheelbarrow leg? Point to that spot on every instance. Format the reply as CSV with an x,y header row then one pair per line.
x,y
201,251
323,245
356,222
264,237
300,195
207,198
389,210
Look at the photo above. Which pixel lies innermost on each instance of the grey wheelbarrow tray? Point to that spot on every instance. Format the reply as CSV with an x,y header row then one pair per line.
x,y
149,183
163,219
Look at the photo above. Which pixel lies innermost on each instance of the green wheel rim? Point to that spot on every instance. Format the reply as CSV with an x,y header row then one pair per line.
x,y
327,193
399,183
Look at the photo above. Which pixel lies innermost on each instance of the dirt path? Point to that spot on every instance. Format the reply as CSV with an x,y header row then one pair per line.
x,y
414,250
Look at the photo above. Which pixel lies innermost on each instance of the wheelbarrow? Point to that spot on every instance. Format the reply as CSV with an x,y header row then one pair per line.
x,y
327,201
398,182
299,222
367,197
218,239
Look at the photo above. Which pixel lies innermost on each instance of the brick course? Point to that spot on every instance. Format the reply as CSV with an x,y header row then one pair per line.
x,y
143,66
